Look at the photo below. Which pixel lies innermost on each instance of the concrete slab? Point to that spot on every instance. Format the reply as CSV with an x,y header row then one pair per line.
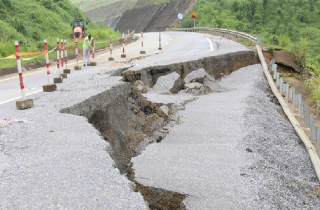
x,y
66,71
24,104
49,88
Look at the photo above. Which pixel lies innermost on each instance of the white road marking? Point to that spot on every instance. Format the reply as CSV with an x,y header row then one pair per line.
x,y
210,42
17,98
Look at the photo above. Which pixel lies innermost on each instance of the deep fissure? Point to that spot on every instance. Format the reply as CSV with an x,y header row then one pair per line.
x,y
130,122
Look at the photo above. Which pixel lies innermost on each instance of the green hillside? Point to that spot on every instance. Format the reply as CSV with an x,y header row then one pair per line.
x,y
32,21
280,23
293,25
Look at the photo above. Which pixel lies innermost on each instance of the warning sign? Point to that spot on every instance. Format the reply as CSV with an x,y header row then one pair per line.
x,y
194,15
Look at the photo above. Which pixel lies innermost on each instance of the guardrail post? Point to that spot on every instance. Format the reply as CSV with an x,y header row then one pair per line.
x,y
302,110
287,93
307,120
259,40
318,141
299,99
293,93
313,133
278,80
275,71
305,108
281,85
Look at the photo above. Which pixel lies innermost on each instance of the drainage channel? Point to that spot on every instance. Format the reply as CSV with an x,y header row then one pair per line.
x,y
129,123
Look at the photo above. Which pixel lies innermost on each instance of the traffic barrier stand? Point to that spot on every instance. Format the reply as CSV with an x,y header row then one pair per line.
x,y
93,63
58,79
24,103
63,74
77,67
160,48
142,51
66,70
49,87
111,58
123,55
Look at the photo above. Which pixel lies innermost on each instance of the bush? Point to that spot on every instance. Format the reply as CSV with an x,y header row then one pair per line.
x,y
300,51
284,40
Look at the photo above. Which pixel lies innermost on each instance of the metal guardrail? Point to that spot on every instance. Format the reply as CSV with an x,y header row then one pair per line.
x,y
220,32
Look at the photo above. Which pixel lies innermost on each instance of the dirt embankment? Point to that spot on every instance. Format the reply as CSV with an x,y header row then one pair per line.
x,y
153,17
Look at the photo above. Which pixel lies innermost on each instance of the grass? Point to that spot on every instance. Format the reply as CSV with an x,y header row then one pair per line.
x,y
30,22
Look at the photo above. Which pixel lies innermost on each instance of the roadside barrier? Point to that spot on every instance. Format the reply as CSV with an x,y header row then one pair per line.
x,y
47,60
66,70
160,48
111,58
20,70
49,87
23,103
142,51
77,67
61,51
123,55
92,63
93,47
296,101
58,79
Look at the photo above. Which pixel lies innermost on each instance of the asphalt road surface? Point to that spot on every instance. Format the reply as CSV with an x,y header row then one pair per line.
x,y
50,160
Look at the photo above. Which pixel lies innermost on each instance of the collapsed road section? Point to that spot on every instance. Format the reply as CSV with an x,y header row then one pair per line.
x,y
61,161
197,161
130,121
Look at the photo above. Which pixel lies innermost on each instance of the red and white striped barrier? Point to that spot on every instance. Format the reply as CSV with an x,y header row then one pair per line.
x,y
160,48
58,55
77,67
142,40
93,48
47,60
20,70
77,52
123,44
61,51
142,51
111,58
123,51
65,53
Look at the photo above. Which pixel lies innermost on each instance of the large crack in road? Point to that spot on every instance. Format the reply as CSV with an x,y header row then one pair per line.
x,y
130,122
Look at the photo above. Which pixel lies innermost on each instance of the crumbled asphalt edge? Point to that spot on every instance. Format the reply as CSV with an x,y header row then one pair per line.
x,y
281,168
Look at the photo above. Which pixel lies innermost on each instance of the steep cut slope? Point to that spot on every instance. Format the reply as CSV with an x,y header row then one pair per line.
x,y
110,13
153,17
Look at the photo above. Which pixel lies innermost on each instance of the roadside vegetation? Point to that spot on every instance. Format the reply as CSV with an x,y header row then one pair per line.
x,y
32,21
293,25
